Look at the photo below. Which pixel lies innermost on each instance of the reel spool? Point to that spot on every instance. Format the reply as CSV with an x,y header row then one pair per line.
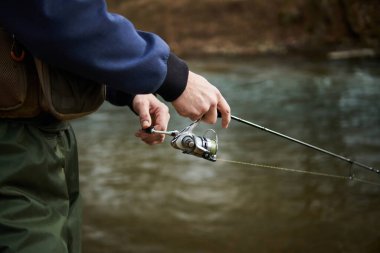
x,y
200,146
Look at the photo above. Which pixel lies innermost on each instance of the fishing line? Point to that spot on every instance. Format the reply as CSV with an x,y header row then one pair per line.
x,y
206,146
321,174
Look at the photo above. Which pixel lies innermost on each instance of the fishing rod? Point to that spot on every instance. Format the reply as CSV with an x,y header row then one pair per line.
x,y
207,147
352,162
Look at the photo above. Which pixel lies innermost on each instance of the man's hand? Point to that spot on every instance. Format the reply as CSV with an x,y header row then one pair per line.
x,y
151,113
202,100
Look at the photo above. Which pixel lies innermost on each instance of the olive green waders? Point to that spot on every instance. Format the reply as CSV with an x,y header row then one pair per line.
x,y
40,206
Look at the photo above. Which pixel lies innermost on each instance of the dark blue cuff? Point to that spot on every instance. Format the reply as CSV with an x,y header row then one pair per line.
x,y
175,80
119,98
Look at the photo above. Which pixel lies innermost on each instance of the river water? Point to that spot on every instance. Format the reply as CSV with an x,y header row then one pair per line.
x,y
154,199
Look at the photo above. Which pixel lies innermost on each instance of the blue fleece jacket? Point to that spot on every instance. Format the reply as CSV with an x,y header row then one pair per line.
x,y
81,36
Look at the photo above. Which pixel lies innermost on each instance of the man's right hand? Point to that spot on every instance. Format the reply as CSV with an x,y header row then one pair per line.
x,y
202,100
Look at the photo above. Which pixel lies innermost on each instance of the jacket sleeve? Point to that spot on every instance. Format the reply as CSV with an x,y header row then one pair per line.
x,y
81,36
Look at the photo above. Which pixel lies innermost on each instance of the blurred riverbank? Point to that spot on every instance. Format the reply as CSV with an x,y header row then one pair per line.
x,y
256,27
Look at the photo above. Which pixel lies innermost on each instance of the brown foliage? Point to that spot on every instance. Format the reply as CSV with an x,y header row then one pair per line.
x,y
257,26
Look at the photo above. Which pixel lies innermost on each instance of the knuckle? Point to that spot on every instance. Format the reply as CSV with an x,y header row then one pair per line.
x,y
181,112
162,107
143,116
203,109
166,111
140,103
194,117
209,120
226,111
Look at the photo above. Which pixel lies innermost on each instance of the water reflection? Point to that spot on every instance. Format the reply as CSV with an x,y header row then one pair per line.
x,y
155,199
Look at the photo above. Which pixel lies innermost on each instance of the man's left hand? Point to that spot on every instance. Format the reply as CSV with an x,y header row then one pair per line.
x,y
151,112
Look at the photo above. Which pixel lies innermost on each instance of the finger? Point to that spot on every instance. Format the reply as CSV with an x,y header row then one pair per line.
x,y
156,139
225,111
211,116
150,138
161,118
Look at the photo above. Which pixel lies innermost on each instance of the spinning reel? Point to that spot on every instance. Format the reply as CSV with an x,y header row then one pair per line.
x,y
205,146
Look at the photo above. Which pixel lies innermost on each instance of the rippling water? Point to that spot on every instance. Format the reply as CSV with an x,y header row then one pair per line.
x,y
140,198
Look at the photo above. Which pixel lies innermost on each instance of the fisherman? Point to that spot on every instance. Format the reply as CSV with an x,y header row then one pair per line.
x,y
55,57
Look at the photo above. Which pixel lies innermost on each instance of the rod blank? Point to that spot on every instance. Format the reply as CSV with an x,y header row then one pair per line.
x,y
306,144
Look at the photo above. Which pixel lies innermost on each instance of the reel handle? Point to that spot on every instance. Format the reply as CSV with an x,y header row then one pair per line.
x,y
151,130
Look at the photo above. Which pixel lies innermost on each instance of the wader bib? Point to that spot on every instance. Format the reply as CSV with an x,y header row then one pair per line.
x,y
40,208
